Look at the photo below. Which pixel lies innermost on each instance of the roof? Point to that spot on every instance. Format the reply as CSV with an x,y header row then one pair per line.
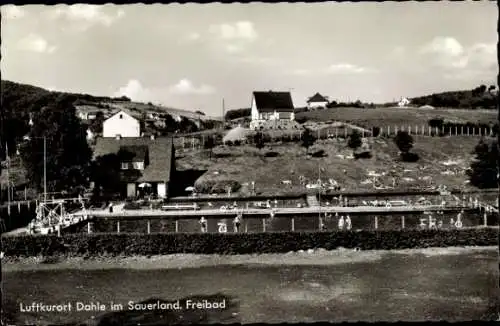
x,y
134,153
159,152
317,98
273,101
134,115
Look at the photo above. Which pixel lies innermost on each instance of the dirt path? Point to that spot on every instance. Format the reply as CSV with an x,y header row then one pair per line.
x,y
318,257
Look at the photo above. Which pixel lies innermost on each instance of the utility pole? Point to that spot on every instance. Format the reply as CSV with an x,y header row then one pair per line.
x,y
223,114
7,158
44,169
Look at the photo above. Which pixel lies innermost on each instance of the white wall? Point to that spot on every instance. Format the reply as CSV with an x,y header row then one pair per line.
x,y
162,190
255,113
316,104
121,124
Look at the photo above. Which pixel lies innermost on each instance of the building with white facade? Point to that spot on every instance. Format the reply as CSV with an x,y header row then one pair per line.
x,y
403,102
272,110
317,101
121,124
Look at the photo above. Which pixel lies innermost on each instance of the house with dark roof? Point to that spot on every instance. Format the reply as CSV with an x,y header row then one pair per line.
x,y
146,164
271,110
317,101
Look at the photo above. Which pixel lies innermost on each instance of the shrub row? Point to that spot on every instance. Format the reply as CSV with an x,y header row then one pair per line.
x,y
215,243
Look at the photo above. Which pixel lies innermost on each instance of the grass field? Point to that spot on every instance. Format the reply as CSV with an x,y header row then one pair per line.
x,y
381,117
246,163
451,284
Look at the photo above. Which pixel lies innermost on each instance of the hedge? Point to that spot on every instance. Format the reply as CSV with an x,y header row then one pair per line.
x,y
215,243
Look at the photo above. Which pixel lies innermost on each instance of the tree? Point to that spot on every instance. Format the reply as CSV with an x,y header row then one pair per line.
x,y
68,154
355,140
483,171
105,172
96,124
403,141
307,139
209,144
259,140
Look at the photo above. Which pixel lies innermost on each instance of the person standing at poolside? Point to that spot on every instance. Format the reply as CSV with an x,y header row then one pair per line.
x,y
341,222
236,223
348,222
203,224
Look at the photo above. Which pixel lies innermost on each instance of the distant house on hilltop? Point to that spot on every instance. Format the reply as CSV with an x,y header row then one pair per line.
x,y
271,110
403,102
121,124
147,164
317,101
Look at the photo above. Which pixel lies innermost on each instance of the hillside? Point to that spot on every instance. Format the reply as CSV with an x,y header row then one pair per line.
x,y
19,101
481,97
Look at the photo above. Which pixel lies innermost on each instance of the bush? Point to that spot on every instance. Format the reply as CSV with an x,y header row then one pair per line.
x,y
409,157
362,155
220,187
318,153
301,119
130,244
271,154
375,131
229,143
237,143
355,140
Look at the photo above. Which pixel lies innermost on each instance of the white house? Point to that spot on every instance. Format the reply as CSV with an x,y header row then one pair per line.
x,y
272,110
403,102
121,124
317,101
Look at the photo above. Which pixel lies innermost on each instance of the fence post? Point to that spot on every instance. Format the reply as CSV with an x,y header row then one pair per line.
x,y
293,224
176,226
25,194
468,130
395,130
485,219
442,130
450,132
409,130
402,222
462,130
8,209
19,207
336,132
456,131
264,224
345,132
118,226
246,226
376,222
149,226
320,220
388,131
89,227
430,130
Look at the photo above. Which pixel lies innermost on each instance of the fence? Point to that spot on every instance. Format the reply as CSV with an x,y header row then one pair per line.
x,y
322,222
198,142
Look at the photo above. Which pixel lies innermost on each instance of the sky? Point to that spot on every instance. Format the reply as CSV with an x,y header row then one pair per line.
x,y
194,56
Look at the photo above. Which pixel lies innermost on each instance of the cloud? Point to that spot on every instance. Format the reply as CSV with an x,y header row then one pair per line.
x,y
460,62
241,30
447,46
135,91
193,36
86,16
12,12
301,72
186,87
347,68
35,43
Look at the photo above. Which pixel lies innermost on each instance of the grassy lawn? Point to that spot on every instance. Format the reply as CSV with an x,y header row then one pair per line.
x,y
381,117
246,163
343,285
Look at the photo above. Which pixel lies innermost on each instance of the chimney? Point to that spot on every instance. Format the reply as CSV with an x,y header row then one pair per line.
x,y
118,137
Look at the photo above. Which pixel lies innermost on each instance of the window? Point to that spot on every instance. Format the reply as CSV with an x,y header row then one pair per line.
x,y
124,165
121,116
139,165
